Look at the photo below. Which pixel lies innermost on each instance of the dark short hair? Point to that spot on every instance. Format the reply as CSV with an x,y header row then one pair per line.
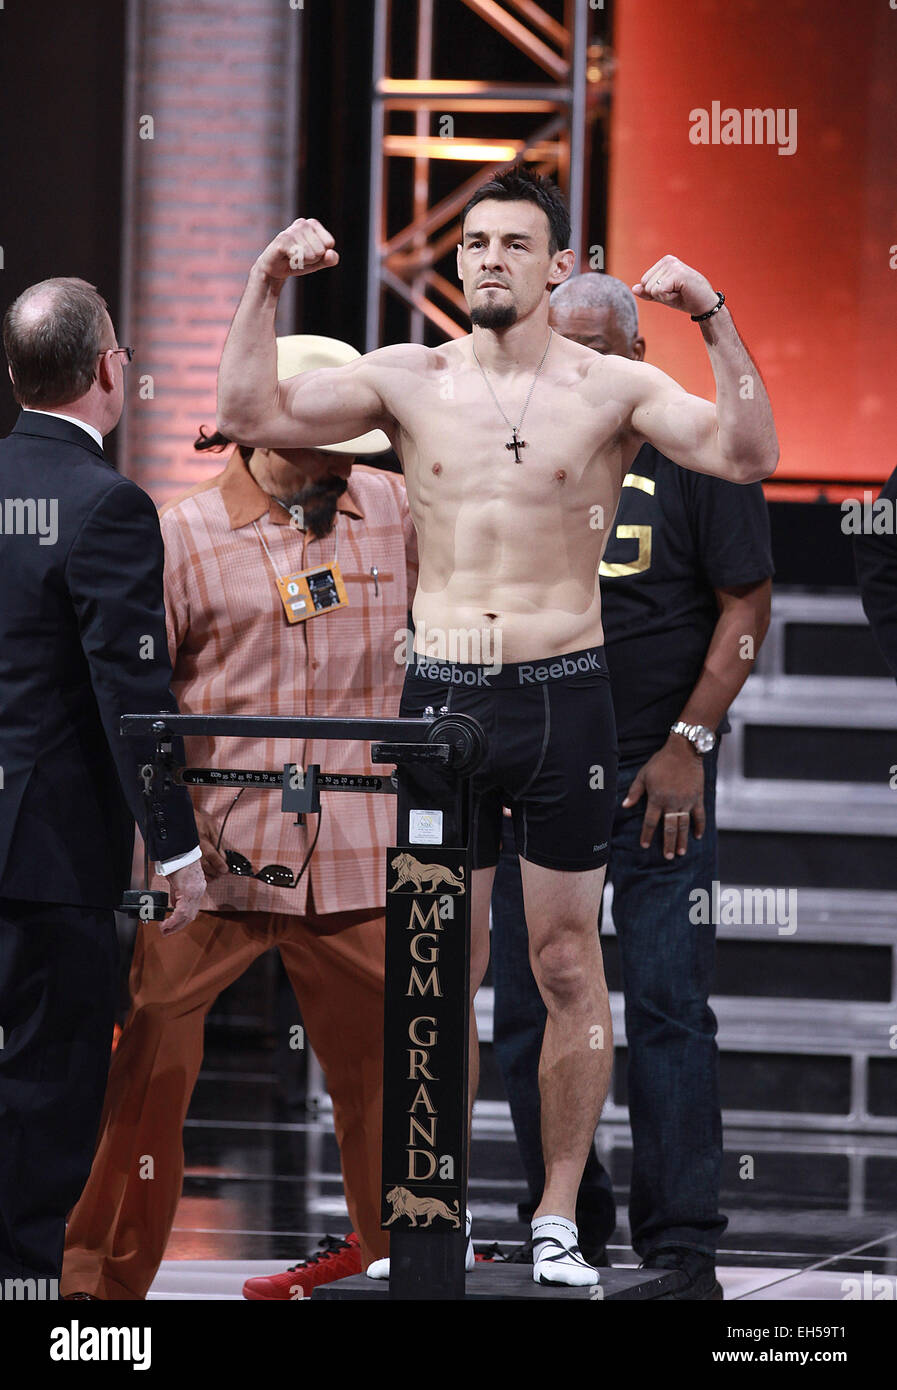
x,y
53,355
520,184
216,442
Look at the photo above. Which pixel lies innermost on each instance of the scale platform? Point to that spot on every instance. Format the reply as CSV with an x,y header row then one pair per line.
x,y
495,1280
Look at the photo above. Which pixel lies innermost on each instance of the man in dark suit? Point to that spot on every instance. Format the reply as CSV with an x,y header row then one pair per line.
x,y
82,641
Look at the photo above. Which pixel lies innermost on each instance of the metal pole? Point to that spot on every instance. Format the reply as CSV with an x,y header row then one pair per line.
x,y
422,162
578,48
377,192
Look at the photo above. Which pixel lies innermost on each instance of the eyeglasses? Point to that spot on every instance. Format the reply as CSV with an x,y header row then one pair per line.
x,y
128,351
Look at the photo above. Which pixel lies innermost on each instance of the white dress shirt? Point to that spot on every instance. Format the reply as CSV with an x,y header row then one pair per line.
x,y
94,433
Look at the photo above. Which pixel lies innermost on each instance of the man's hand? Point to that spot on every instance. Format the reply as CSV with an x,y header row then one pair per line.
x,y
187,888
304,246
670,281
213,861
674,782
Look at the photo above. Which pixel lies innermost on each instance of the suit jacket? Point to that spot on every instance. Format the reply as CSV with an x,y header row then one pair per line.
x,y
82,641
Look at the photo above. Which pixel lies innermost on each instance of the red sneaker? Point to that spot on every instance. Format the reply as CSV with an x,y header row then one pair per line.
x,y
337,1260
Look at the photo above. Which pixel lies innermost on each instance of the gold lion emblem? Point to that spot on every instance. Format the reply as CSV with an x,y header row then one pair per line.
x,y
411,870
404,1203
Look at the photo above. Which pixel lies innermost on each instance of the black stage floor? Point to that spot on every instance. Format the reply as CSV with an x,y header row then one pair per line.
x,y
489,1282
262,1186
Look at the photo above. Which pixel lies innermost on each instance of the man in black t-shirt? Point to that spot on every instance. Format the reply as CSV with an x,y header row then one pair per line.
x,y
685,582
875,553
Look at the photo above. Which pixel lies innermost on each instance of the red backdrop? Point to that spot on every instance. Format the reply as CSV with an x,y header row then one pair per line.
x,y
802,244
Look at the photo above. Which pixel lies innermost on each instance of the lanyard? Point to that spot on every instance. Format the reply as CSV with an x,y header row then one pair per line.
x,y
307,593
277,574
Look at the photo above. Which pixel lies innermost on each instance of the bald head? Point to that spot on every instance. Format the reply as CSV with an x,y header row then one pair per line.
x,y
52,335
598,311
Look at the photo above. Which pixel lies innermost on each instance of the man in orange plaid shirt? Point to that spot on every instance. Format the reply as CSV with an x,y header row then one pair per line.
x,y
238,646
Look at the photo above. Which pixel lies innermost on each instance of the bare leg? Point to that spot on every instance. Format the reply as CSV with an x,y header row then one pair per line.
x,y
481,897
577,1050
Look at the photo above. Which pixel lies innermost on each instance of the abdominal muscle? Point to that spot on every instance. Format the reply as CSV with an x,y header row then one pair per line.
x,y
447,631
485,614
509,551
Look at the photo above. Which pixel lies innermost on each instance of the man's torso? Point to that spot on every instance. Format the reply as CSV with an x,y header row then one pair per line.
x,y
677,537
60,788
235,653
507,545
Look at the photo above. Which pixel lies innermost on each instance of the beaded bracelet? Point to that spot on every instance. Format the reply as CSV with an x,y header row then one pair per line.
x,y
699,318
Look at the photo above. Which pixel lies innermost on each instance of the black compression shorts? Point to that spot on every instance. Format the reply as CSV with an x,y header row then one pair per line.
x,y
551,752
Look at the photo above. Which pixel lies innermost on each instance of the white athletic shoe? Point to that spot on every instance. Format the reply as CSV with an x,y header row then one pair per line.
x,y
557,1258
380,1268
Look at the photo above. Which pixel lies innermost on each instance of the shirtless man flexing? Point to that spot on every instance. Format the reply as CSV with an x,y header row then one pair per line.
x,y
515,442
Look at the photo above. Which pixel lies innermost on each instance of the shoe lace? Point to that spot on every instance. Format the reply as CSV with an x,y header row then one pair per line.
x,y
332,1246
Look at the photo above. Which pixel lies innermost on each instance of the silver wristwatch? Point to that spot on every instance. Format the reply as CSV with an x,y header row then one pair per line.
x,y
699,736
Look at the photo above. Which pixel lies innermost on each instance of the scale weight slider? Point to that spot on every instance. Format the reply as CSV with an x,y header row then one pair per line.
x,y
146,904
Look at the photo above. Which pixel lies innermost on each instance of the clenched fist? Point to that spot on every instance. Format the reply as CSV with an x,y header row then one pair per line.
x,y
303,247
670,281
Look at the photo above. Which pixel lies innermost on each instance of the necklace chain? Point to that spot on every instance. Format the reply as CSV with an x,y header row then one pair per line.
x,y
514,428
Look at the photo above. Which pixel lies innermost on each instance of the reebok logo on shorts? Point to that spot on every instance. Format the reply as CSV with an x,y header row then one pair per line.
x,y
558,670
509,675
454,675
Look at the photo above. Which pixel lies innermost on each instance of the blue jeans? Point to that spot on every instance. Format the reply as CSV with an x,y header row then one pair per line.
x,y
667,965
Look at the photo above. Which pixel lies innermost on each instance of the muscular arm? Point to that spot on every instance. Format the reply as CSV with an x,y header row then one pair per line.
x,y
673,778
736,437
743,613
318,407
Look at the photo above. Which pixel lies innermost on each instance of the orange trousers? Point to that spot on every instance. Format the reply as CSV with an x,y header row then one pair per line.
x,y
118,1231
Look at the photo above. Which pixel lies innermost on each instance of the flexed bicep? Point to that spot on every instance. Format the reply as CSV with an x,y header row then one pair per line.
x,y
329,406
681,426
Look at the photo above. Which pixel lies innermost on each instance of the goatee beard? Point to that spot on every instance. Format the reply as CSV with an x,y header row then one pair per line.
x,y
318,502
496,316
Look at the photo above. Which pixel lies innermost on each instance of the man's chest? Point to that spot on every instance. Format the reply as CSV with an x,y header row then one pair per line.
x,y
460,442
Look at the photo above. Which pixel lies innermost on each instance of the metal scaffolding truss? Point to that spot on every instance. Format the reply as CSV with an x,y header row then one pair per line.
x,y
404,260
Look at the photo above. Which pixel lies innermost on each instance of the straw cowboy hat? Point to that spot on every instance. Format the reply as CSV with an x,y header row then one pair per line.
x,y
306,352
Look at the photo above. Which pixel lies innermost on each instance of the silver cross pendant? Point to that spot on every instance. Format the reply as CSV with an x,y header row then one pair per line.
x,y
516,444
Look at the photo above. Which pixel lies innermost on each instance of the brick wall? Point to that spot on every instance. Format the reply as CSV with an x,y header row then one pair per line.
x,y
213,85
